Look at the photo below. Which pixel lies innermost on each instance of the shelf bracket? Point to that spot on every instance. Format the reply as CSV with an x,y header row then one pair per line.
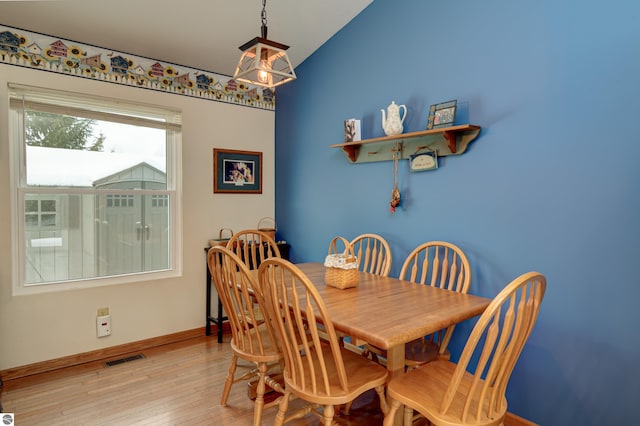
x,y
451,140
351,152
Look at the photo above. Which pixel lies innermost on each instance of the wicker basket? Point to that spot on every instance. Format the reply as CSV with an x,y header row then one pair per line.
x,y
221,241
269,231
341,269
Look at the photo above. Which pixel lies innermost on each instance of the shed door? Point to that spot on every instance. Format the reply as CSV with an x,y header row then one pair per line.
x,y
133,234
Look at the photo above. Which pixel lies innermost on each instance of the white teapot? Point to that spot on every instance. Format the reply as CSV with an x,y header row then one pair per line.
x,y
391,121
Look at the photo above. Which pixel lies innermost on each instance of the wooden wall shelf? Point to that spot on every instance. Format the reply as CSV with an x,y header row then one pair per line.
x,y
446,141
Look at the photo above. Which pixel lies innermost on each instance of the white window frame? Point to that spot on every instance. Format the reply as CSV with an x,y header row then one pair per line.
x,y
97,108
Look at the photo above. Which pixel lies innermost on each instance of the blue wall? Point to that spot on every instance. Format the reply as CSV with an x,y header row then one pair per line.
x,y
552,184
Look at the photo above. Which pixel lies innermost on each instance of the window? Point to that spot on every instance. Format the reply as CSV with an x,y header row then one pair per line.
x,y
121,200
159,201
96,183
40,213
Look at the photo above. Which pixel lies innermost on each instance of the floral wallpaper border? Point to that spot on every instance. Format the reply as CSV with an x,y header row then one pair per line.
x,y
33,50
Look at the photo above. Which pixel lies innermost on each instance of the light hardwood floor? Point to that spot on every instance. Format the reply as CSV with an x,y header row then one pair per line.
x,y
174,384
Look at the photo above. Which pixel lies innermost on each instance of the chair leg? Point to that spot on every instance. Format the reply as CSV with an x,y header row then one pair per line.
x,y
383,399
282,409
259,402
229,381
408,416
389,417
328,414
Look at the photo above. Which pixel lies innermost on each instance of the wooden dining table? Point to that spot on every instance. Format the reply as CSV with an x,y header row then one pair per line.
x,y
388,312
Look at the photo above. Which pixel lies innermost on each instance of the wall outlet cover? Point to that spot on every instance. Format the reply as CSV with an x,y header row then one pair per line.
x,y
103,325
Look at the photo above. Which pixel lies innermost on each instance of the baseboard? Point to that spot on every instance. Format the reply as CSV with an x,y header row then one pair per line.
x,y
513,420
226,328
100,354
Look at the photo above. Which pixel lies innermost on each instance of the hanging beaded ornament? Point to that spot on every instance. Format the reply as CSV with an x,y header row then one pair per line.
x,y
395,193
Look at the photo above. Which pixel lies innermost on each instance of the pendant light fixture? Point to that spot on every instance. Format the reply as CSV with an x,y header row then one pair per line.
x,y
264,62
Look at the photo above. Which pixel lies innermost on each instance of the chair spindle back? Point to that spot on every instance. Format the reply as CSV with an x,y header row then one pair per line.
x,y
373,253
497,341
296,308
253,247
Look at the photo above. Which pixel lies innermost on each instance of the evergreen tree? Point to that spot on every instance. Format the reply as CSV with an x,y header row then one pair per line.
x,y
98,145
62,131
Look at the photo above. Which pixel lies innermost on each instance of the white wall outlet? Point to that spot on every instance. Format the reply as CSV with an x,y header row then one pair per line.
x,y
103,324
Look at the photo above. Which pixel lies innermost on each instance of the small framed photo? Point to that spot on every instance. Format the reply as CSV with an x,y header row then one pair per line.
x,y
351,130
237,172
423,161
442,115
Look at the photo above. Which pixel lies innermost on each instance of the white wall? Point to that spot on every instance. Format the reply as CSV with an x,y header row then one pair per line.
x,y
40,327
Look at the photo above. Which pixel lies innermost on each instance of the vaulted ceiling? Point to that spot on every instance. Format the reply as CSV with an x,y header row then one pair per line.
x,y
203,34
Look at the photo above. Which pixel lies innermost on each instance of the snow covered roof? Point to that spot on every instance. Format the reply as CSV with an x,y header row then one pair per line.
x,y
73,167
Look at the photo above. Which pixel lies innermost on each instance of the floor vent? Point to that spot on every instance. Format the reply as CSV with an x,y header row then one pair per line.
x,y
123,360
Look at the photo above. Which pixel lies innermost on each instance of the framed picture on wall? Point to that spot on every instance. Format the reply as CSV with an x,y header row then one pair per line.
x,y
442,115
237,172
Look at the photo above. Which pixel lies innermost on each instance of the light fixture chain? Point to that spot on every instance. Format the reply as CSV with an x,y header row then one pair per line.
x,y
264,12
263,28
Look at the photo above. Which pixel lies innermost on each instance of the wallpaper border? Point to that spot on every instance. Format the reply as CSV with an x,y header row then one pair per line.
x,y
46,53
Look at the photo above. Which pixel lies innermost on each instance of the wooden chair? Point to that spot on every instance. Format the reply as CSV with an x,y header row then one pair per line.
x,y
244,305
253,246
315,369
438,264
451,394
373,253
374,256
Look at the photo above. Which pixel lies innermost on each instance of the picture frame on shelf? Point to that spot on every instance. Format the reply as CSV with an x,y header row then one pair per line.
x,y
237,172
352,130
442,115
